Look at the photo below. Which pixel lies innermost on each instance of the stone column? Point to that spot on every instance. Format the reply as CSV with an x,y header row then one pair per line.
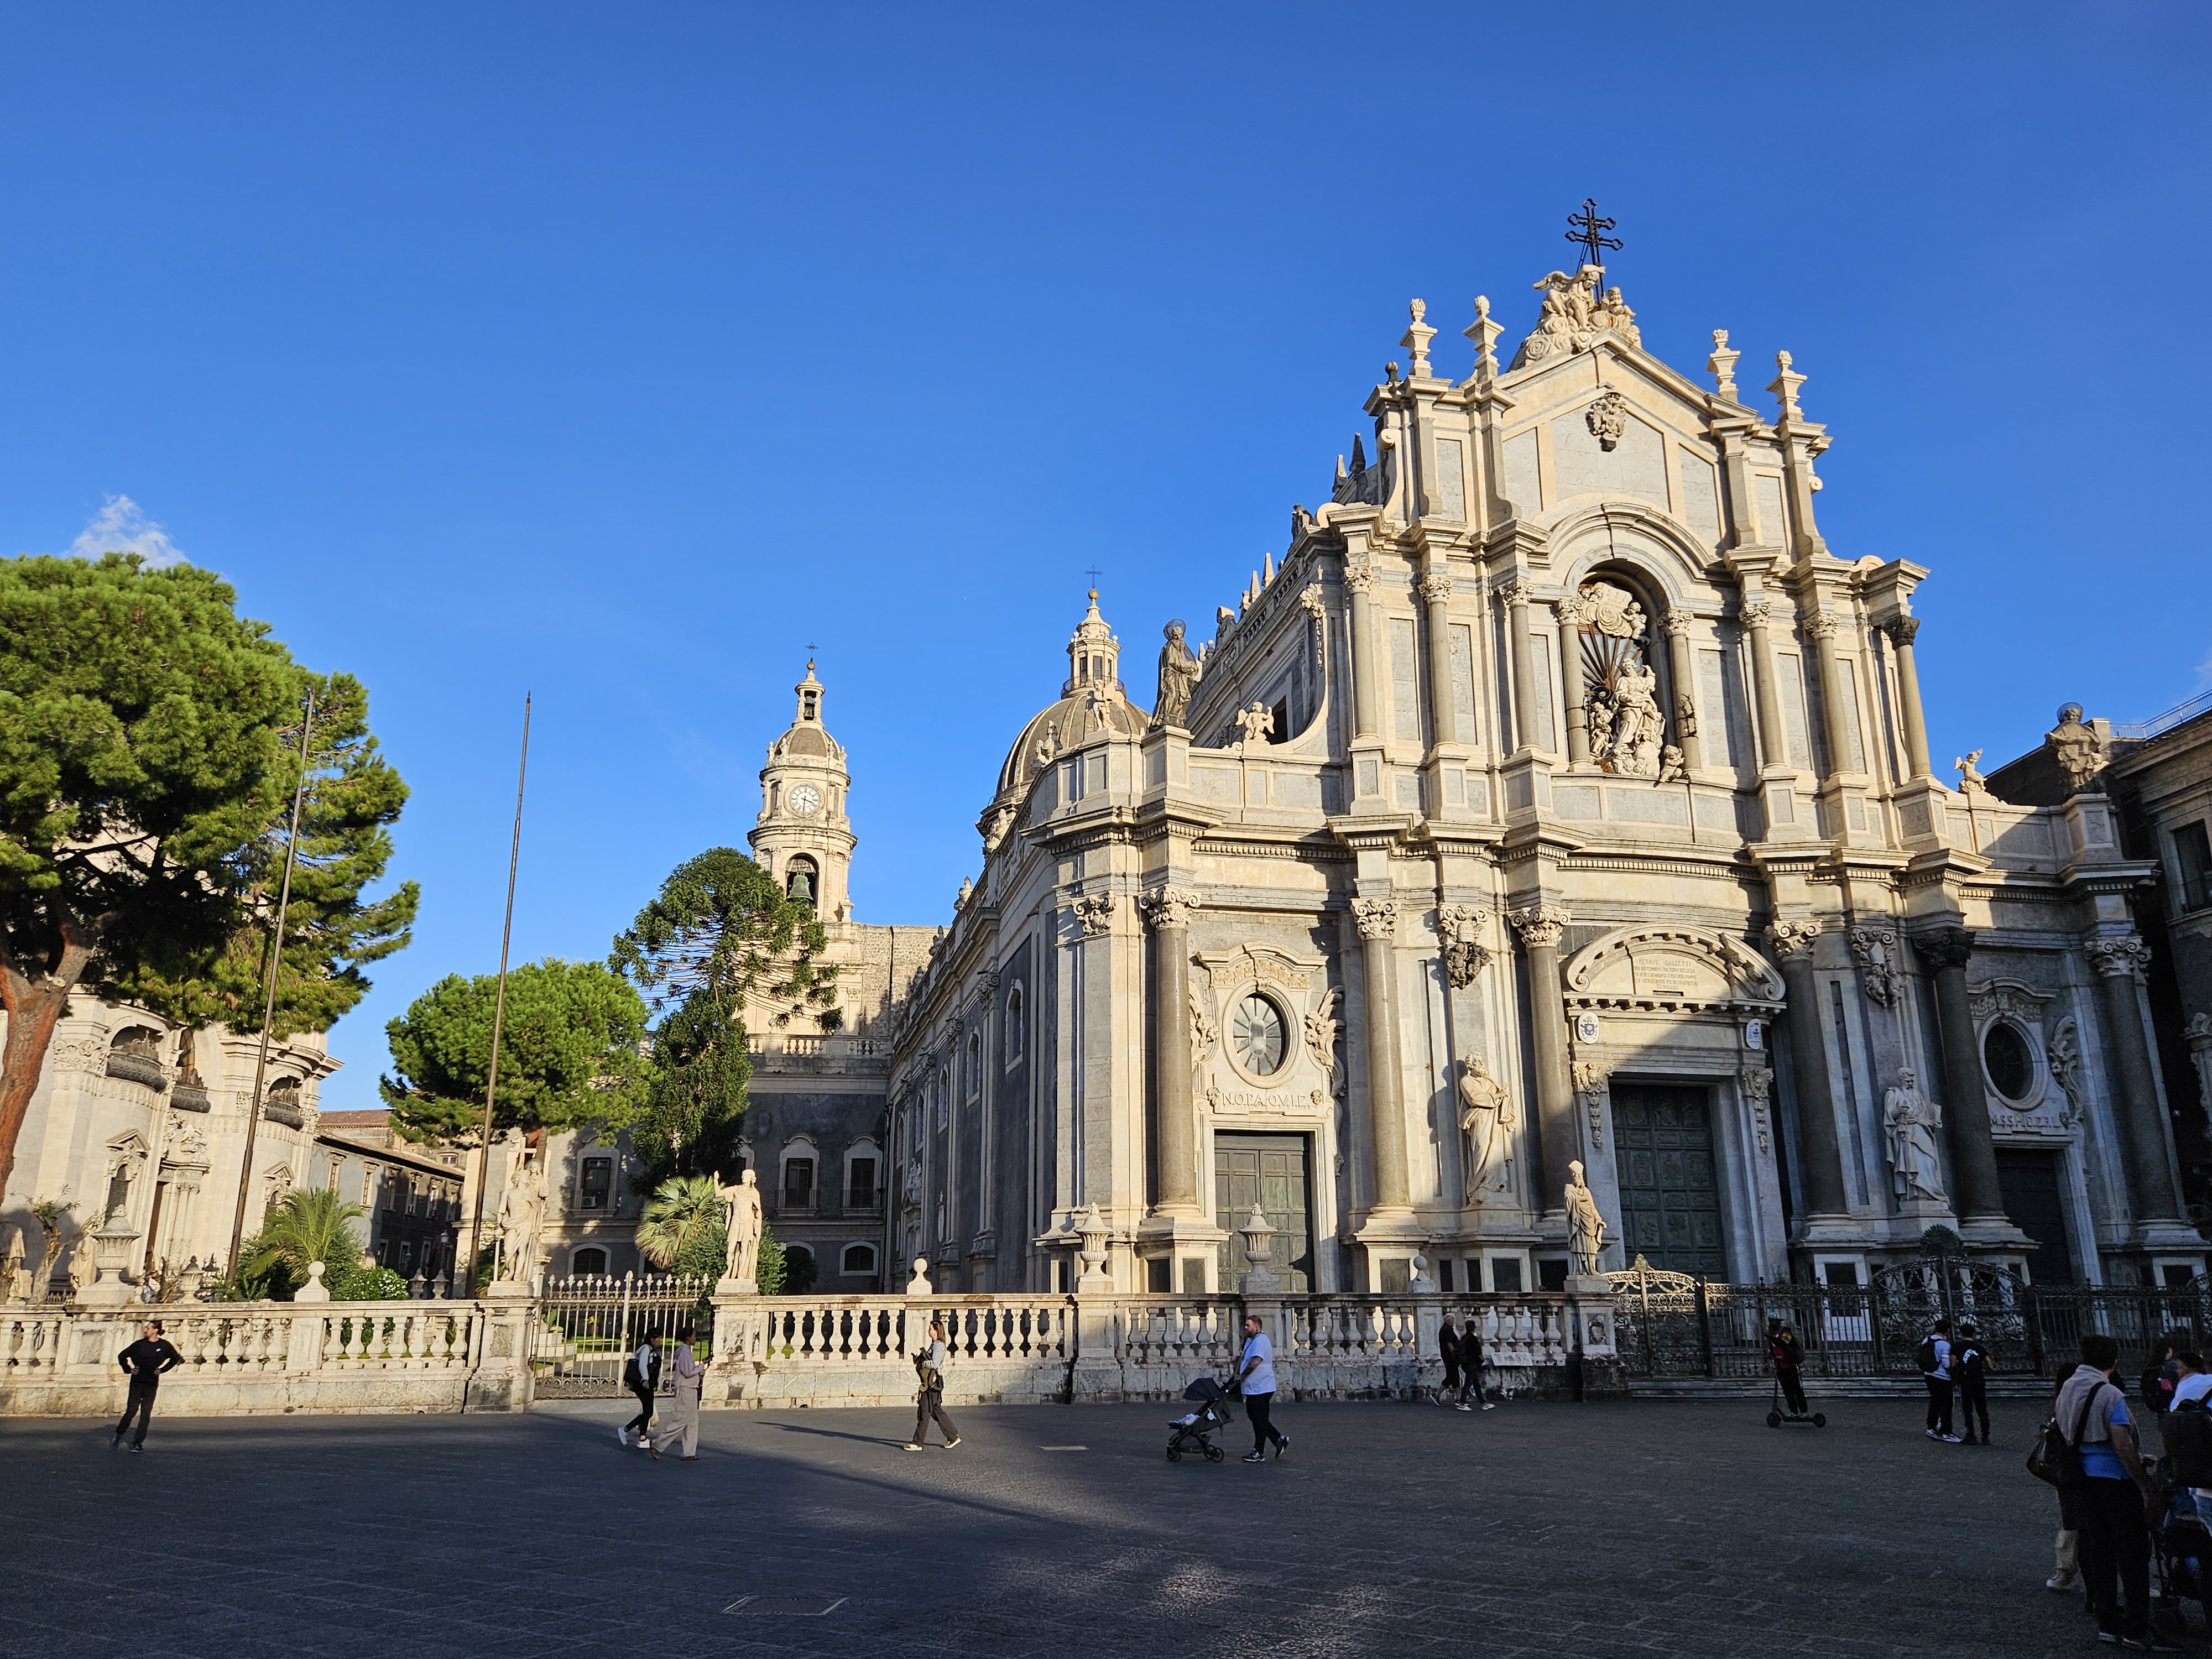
x,y
1901,630
1360,582
1569,613
1773,746
1174,1126
1539,926
1974,1191
1676,626
1820,1148
1515,596
1386,1112
1436,595
1821,626
2118,962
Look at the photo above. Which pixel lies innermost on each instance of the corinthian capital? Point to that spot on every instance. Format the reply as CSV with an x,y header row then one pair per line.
x,y
1944,947
1758,614
1168,907
2115,957
1095,911
1360,579
1538,924
1792,940
1435,589
1377,917
1515,592
1820,625
1676,623
1901,629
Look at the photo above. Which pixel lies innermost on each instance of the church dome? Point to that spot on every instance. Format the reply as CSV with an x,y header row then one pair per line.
x,y
1091,701
807,740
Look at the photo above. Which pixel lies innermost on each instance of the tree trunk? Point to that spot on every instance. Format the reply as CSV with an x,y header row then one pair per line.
x,y
35,1004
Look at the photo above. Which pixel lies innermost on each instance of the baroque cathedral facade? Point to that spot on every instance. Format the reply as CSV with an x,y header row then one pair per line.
x,y
1559,797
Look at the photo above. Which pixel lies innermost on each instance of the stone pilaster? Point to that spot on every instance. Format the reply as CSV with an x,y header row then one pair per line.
x,y
2120,963
1974,1189
1175,1127
1359,583
1539,926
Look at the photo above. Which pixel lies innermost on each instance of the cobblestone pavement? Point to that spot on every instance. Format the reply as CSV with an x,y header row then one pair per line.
x,y
1686,1530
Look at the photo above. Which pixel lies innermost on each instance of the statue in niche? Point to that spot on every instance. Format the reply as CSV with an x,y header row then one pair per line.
x,y
1179,670
1637,724
2079,752
1910,1122
742,1225
1485,1118
1585,1224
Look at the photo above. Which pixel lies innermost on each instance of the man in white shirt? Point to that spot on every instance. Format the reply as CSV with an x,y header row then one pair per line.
x,y
1937,1347
1257,1381
2196,1382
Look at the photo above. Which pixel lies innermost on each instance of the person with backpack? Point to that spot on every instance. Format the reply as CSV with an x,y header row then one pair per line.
x,y
1935,1369
929,1399
2067,1547
1448,1348
2116,1495
1787,1353
641,1376
1970,1365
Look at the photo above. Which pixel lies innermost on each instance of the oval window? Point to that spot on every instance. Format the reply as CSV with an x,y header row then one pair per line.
x,y
2011,1066
1256,1034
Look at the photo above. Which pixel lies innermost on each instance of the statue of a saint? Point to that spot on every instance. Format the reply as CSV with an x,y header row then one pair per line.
x,y
1485,1118
1910,1121
1585,1225
1638,723
80,1270
741,1225
521,1214
1178,678
2075,747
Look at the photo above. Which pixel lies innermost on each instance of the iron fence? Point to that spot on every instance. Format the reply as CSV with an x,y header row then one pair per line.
x,y
1672,1325
587,1327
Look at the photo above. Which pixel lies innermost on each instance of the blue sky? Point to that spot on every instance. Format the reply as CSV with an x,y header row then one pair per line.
x,y
619,352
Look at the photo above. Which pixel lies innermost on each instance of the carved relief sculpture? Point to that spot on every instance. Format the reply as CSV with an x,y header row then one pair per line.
x,y
1608,418
1589,1080
2064,1058
1179,673
1573,314
1485,1118
2077,747
1094,913
1462,927
1322,1029
1792,939
1626,726
1875,947
1758,1084
1685,714
1585,1224
1910,1121
1204,1033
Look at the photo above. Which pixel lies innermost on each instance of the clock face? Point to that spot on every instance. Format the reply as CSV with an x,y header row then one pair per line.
x,y
806,800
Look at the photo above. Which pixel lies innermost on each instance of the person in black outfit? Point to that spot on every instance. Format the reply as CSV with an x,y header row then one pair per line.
x,y
145,1360
1448,1348
1788,1354
641,1376
1970,1369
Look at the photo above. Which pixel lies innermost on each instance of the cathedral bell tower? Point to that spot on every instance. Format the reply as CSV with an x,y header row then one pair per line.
x,y
803,837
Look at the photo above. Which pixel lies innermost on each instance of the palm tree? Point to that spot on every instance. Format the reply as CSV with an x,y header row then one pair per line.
x,y
307,1226
683,1226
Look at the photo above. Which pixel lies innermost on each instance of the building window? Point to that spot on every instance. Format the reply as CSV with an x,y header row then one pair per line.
x,y
975,1064
588,1263
857,1260
863,1187
1015,1035
2010,1062
2192,851
1257,1035
799,1183
944,1097
597,1184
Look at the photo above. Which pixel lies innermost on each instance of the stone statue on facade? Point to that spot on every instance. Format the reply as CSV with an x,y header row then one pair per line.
x,y
11,1267
1485,1118
1585,1224
1970,776
2077,747
1671,768
1637,724
1910,1122
521,1217
742,1223
1179,672
81,1269
1257,723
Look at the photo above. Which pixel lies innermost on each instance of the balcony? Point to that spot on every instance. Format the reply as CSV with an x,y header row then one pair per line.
x,y
190,1095
135,1065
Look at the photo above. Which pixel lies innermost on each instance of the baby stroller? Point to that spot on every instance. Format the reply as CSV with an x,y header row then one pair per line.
x,y
2181,1549
1194,1431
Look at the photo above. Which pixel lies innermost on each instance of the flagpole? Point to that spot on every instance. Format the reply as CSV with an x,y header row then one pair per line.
x,y
499,1008
269,1000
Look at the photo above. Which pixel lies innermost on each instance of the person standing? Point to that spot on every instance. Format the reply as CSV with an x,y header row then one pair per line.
x,y
929,1399
2116,1493
1788,1354
145,1360
683,1407
1257,1382
1970,1366
1447,1350
2156,1383
1470,1366
2067,1549
1935,1369
641,1376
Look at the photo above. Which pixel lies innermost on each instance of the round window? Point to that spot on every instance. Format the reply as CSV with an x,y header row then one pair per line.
x,y
1256,1036
2011,1066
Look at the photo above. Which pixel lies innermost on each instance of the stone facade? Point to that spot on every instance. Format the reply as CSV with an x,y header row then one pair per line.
x,y
1557,794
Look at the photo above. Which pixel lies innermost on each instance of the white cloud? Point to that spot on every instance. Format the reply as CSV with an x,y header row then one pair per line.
x,y
120,527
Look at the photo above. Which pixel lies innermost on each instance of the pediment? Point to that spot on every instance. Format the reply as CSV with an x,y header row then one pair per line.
x,y
1250,963
1672,968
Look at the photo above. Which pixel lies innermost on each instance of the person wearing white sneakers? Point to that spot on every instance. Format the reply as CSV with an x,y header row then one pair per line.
x,y
1256,1381
641,1376
929,1399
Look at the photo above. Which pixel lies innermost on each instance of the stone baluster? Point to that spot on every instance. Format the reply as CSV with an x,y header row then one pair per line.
x,y
1819,1147
1175,1121
1386,1115
1676,626
1976,1195
1539,926
2119,964
1900,630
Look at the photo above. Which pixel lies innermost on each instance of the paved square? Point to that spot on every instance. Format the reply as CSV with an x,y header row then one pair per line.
x,y
1686,1530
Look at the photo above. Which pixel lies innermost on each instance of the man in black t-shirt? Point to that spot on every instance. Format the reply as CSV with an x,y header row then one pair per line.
x,y
145,1360
1970,1366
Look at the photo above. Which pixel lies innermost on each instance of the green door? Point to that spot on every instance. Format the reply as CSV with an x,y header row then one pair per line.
x,y
1269,1170
1670,1198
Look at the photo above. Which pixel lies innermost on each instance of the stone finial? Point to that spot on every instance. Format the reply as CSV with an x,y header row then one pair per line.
x,y
917,1282
1417,337
1785,387
1484,333
1722,366
314,1290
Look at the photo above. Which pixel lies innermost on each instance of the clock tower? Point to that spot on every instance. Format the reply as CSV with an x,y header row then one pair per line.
x,y
803,835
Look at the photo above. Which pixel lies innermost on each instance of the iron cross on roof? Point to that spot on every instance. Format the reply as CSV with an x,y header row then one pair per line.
x,y
1093,573
1589,230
